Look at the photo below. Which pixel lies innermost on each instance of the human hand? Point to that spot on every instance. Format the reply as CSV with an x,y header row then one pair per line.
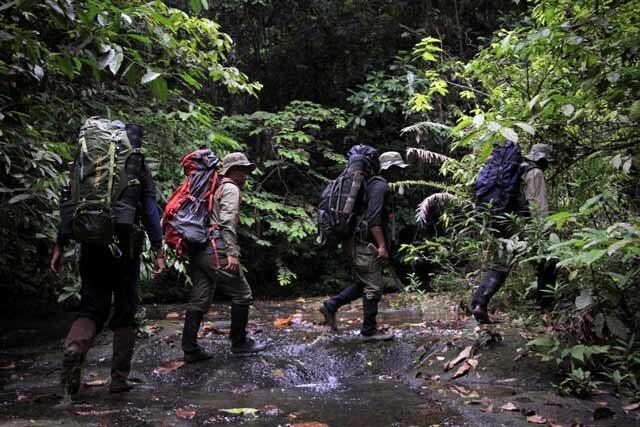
x,y
159,264
57,259
233,264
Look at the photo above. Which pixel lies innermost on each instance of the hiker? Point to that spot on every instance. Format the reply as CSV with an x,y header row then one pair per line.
x,y
369,249
533,195
216,264
108,269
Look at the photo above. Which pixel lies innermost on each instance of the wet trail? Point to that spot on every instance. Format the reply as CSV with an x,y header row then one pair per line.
x,y
308,374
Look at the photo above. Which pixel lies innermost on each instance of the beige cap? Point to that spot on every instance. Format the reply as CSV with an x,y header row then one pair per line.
x,y
540,151
391,158
235,159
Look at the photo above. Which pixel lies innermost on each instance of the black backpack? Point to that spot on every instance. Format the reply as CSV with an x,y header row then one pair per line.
x,y
341,198
498,185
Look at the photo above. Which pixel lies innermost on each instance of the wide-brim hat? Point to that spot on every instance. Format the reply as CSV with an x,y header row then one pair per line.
x,y
539,152
390,159
236,160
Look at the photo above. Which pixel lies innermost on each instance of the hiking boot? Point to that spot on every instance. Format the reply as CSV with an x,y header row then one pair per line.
x,y
480,314
119,385
240,344
490,283
72,369
329,317
124,339
249,346
378,336
76,346
197,356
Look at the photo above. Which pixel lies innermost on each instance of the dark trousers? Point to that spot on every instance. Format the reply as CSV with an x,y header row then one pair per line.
x,y
106,278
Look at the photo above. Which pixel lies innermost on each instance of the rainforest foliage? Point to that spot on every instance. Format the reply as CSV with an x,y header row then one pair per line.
x,y
294,83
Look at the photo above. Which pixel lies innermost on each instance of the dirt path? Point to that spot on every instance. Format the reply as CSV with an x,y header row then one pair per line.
x,y
307,375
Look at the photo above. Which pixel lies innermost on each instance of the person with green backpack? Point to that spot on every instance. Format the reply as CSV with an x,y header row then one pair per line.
x,y
110,194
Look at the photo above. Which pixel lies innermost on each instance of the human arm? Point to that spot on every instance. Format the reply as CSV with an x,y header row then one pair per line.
x,y
151,220
376,192
536,193
228,224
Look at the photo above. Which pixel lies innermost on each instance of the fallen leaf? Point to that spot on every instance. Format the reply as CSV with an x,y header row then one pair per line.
x,y
9,366
271,410
509,407
280,323
462,370
185,414
301,300
536,419
239,411
173,316
93,412
23,398
310,424
278,373
440,358
631,407
551,423
473,363
95,383
488,408
168,367
464,354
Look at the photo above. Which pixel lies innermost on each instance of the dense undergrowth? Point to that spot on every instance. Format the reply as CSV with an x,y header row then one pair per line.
x,y
556,71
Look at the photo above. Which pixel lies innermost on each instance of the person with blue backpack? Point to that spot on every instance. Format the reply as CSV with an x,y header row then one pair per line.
x,y
509,183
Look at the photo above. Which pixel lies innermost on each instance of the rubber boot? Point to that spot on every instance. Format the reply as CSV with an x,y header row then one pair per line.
x,y
369,331
330,307
124,339
240,344
192,351
490,283
76,346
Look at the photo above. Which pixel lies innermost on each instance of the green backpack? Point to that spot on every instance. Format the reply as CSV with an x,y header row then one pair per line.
x,y
99,179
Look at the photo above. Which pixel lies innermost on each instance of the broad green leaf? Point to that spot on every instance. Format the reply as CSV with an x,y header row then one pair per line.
x,y
547,342
527,128
149,76
583,300
240,411
509,134
568,110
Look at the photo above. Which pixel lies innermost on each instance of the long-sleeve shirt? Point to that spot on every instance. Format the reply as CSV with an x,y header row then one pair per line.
x,y
150,212
374,210
534,189
225,215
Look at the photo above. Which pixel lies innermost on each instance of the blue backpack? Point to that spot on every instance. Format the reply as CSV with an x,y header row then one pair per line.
x,y
498,185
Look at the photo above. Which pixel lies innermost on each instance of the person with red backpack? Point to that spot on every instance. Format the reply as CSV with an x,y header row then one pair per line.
x,y
214,264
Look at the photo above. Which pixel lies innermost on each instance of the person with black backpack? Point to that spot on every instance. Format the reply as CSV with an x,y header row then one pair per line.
x,y
509,183
368,245
111,193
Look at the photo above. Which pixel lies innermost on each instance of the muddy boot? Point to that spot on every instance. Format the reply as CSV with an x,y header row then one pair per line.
x,y
490,283
329,316
76,346
369,331
240,344
192,351
124,339
330,307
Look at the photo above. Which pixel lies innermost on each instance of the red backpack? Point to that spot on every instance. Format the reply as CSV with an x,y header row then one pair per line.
x,y
186,217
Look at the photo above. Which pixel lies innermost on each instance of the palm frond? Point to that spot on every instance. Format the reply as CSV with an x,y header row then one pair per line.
x,y
437,199
426,156
424,127
418,183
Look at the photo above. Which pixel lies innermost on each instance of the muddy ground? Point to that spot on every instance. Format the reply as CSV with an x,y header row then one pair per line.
x,y
308,374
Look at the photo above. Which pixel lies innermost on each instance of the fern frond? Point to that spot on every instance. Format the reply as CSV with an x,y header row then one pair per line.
x,y
426,157
437,199
418,183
